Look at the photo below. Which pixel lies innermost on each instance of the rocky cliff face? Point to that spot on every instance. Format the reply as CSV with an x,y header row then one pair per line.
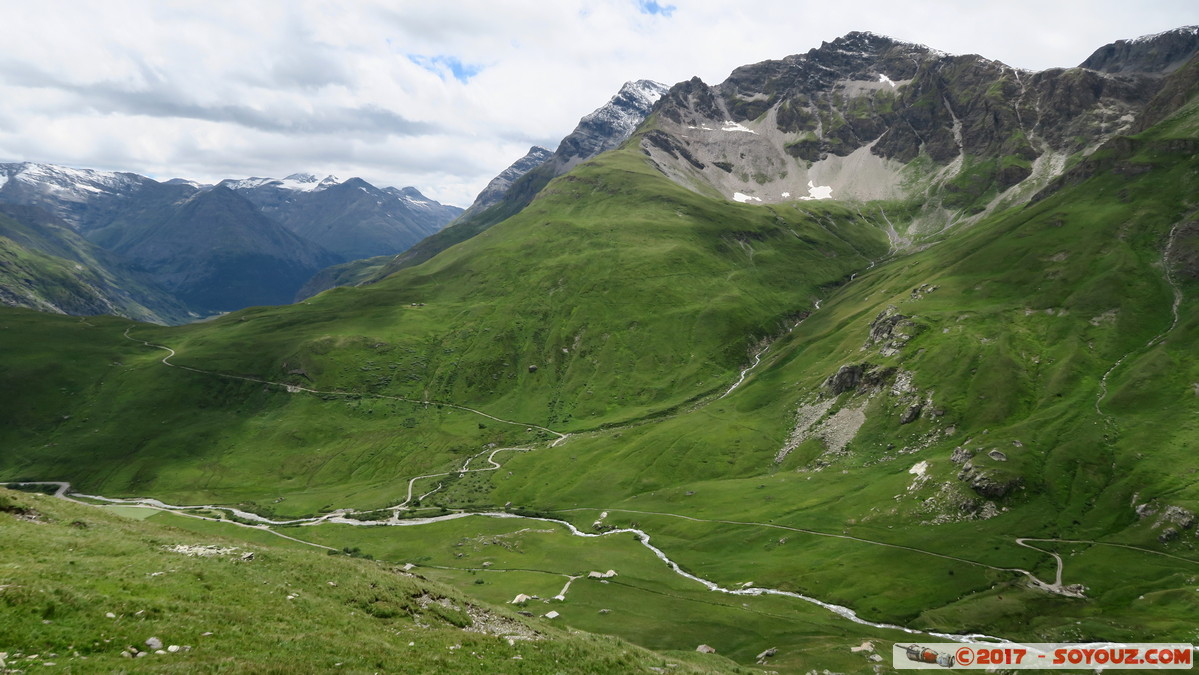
x,y
869,117
609,125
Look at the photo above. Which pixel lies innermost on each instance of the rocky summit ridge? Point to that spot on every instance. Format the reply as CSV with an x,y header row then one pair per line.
x,y
867,117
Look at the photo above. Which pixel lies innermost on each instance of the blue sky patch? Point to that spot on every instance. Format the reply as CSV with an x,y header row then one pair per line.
x,y
442,64
652,7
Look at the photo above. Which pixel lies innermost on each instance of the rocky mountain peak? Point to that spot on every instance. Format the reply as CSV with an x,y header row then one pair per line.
x,y
609,125
1158,54
80,197
843,120
498,187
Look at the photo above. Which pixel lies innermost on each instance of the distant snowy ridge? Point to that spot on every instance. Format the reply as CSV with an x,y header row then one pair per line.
x,y
299,182
68,183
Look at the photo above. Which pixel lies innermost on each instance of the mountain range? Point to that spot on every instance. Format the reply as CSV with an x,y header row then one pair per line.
x,y
867,346
196,249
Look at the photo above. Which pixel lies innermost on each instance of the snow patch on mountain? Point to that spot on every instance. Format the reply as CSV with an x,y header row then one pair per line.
x,y
1184,30
818,192
744,198
734,126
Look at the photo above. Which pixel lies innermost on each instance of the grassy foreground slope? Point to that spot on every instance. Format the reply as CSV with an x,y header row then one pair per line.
x,y
282,611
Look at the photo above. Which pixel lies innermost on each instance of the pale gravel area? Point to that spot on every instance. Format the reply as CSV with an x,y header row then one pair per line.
x,y
836,431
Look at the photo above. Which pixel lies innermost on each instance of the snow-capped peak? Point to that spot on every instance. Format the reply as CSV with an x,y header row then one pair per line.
x,y
626,109
1183,30
299,182
646,90
71,184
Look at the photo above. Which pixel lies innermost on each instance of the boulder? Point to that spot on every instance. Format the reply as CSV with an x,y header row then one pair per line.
x,y
845,379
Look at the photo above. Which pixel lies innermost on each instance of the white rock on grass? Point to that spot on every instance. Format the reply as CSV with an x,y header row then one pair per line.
x,y
154,643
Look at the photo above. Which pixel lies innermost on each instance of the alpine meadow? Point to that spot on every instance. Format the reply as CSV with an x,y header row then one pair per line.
x,y
868,345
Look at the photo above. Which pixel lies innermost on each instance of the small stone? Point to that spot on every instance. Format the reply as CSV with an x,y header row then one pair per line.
x,y
154,643
206,634
159,651
126,655
110,615
705,649
173,648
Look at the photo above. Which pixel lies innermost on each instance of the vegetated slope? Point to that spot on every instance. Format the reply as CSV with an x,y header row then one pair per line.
x,y
1030,377
603,129
150,598
614,296
50,268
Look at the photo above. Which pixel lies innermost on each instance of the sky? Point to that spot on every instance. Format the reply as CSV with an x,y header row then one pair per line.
x,y
440,95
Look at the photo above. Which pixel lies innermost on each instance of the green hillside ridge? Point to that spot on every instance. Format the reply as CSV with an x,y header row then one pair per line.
x,y
126,581
49,267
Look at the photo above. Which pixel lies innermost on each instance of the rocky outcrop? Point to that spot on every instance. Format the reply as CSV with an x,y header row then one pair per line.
x,y
845,379
990,485
890,332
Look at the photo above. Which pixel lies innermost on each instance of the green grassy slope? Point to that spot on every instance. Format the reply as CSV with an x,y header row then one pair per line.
x,y
283,611
47,266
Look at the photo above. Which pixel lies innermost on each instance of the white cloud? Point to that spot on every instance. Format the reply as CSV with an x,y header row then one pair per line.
x,y
438,95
